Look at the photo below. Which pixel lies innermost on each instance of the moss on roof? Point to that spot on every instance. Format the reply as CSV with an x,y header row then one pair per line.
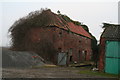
x,y
105,25
111,31
66,18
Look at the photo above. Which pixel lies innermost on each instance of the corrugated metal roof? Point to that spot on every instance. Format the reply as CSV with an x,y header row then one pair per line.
x,y
112,32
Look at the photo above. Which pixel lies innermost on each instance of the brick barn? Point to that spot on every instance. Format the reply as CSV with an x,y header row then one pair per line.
x,y
52,37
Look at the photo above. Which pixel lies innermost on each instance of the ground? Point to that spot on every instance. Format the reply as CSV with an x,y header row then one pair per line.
x,y
49,72
25,66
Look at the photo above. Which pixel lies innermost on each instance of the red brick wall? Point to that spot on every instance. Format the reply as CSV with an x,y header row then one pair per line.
x,y
102,54
64,40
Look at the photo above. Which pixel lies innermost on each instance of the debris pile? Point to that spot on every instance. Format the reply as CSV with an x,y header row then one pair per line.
x,y
14,59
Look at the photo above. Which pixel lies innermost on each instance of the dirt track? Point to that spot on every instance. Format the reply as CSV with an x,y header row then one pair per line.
x,y
56,72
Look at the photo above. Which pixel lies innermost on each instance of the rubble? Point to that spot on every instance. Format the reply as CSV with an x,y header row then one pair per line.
x,y
16,59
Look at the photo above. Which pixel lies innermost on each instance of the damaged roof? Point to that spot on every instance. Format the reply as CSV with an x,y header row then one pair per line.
x,y
78,29
111,32
46,18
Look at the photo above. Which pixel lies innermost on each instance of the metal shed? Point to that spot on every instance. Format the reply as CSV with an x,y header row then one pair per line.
x,y
110,49
112,57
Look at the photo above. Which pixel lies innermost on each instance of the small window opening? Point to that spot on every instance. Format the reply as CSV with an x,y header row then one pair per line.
x,y
60,33
79,41
60,49
70,58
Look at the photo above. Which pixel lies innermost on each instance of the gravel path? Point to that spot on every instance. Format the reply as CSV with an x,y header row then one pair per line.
x,y
56,72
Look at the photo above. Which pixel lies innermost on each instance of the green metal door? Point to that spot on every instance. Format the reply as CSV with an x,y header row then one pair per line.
x,y
112,59
112,49
112,66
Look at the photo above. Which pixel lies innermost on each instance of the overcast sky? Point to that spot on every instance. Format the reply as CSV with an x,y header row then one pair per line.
x,y
92,13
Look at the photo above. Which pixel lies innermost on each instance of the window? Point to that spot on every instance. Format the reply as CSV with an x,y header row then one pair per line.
x,y
60,49
70,51
70,58
79,41
84,53
69,32
60,33
86,41
79,55
53,29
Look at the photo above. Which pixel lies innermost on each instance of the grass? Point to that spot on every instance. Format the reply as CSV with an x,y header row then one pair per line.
x,y
82,70
97,73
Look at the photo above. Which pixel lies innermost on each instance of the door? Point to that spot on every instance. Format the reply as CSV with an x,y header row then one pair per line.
x,y
84,53
112,57
62,58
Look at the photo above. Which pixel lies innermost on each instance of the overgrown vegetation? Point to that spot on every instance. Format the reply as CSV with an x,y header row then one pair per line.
x,y
95,49
20,36
85,27
66,18
42,18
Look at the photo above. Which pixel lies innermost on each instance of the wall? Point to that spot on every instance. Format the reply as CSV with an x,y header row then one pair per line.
x,y
102,54
53,40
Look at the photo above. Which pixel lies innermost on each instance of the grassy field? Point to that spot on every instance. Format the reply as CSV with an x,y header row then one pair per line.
x,y
90,72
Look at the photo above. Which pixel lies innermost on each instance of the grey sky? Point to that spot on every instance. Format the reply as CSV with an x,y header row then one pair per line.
x,y
91,13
